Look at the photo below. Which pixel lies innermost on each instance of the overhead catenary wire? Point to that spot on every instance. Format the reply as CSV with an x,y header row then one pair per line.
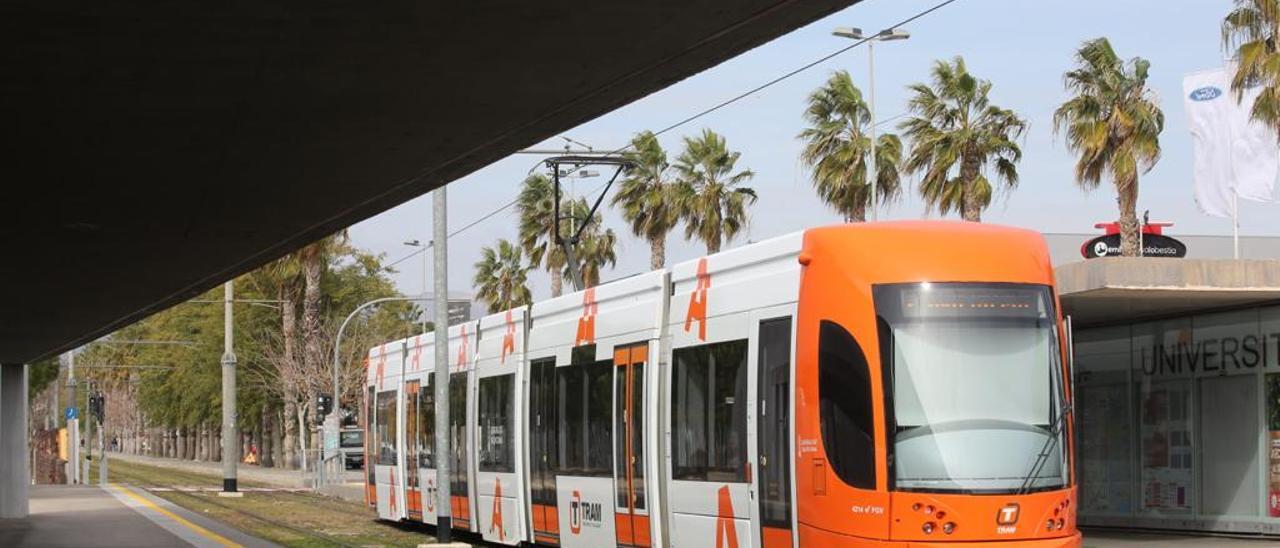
x,y
718,106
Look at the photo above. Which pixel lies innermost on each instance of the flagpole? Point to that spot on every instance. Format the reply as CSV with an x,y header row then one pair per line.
x,y
1235,223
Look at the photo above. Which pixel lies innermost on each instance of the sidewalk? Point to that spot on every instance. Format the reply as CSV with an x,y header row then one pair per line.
x,y
352,490
116,516
1114,539
278,477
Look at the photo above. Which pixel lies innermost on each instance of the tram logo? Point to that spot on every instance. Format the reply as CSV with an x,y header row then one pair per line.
x,y
509,339
587,323
698,302
416,362
581,513
1007,518
382,362
495,521
462,350
726,533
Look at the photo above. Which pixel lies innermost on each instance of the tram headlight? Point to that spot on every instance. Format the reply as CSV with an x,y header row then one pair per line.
x,y
928,527
949,527
1049,525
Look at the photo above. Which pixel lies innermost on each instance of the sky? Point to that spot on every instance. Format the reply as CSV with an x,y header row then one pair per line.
x,y
1023,47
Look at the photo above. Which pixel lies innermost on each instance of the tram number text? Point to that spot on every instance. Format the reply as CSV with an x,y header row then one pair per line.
x,y
873,510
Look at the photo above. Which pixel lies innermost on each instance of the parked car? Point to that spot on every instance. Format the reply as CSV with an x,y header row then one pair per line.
x,y
351,445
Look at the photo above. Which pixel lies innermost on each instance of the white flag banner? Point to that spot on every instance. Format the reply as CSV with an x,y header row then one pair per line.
x,y
1233,154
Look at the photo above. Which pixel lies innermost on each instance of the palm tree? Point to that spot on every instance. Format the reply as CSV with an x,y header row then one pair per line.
x,y
596,245
837,148
501,277
1113,122
712,201
1253,29
647,196
537,227
956,126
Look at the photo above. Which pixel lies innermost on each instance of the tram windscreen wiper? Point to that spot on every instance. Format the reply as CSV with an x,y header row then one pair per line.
x,y
1055,432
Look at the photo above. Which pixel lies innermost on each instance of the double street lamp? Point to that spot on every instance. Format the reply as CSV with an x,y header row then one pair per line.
x,y
886,35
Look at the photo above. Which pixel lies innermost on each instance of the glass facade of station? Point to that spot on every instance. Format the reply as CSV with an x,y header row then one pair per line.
x,y
1179,422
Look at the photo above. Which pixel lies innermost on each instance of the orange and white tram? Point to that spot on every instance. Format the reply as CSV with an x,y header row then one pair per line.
x,y
886,384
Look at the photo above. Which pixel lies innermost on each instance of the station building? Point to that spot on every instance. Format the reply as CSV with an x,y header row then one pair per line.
x,y
1177,379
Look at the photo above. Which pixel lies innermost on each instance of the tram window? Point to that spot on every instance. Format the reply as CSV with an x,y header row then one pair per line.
x,y
584,399
386,421
844,400
458,433
569,398
427,424
599,418
497,420
709,412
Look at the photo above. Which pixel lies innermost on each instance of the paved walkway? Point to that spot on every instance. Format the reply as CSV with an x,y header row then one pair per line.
x,y
1109,539
115,516
278,477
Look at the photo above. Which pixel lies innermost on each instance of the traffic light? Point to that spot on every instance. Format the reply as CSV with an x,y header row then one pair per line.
x,y
97,406
324,406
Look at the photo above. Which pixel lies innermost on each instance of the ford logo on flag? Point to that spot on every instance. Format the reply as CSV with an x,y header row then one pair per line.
x,y
1207,93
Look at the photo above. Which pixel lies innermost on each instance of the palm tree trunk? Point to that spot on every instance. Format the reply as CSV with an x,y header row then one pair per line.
x,y
311,351
859,214
970,209
557,282
290,432
657,253
1129,219
713,246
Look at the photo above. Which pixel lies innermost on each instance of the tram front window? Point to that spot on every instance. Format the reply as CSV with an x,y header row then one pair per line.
x,y
977,387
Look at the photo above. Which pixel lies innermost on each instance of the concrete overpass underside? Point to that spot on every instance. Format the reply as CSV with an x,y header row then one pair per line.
x,y
156,150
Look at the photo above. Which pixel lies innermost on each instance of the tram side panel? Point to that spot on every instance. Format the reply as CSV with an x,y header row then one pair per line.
x,y
385,375
718,307
419,434
462,422
499,467
585,487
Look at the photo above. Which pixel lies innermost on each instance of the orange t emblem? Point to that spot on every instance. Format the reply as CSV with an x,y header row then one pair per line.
x,y
497,512
508,340
587,323
698,302
726,533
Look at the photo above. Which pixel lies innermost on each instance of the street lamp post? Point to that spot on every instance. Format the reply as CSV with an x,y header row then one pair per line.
x,y
230,445
426,249
886,35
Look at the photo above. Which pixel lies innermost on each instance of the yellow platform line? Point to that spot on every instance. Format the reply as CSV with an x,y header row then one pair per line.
x,y
193,527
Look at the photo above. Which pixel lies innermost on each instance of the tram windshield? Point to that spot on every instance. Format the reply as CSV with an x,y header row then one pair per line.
x,y
976,385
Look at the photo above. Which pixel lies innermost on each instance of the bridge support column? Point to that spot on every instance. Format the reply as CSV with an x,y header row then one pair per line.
x,y
15,477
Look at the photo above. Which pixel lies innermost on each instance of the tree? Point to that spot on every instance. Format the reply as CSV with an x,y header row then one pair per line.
x,y
538,228
1113,123
595,246
837,147
955,134
1252,30
501,278
712,201
647,197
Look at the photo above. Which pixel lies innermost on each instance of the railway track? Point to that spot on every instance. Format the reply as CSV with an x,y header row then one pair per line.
x,y
143,482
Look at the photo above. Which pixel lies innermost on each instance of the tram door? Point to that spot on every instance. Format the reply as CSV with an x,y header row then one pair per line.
x,y
542,443
459,487
411,416
632,518
774,432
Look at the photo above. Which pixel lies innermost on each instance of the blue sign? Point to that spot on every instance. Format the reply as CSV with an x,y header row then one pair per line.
x,y
1207,93
72,413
